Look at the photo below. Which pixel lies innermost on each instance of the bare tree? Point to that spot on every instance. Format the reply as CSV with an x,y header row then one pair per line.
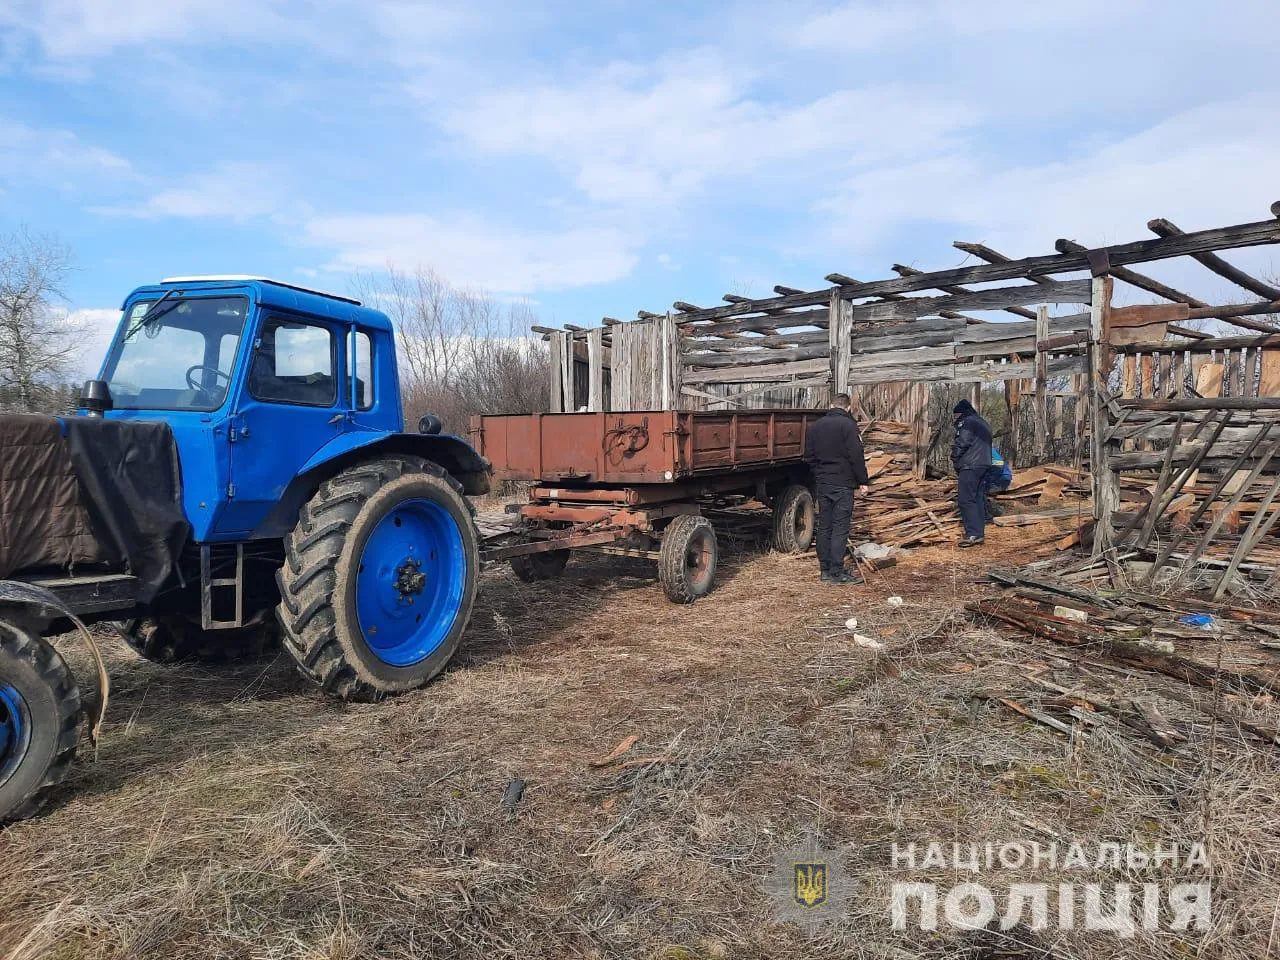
x,y
38,343
461,351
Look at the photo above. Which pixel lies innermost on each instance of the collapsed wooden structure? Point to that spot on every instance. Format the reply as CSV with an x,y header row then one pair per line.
x,y
1180,427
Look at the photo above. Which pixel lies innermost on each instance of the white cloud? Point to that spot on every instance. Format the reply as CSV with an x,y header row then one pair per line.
x,y
87,29
862,26
638,135
28,153
234,191
1207,165
474,252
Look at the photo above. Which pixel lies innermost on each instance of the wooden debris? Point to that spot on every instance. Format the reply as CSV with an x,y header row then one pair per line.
x,y
617,752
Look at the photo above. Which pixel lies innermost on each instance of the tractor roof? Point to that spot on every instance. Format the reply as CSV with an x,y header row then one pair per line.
x,y
276,293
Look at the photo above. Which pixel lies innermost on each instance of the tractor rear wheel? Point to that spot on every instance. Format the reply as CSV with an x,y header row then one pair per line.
x,y
540,566
794,519
379,578
39,717
687,559
177,640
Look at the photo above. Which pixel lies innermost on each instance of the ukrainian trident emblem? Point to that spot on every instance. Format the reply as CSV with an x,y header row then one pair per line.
x,y
809,884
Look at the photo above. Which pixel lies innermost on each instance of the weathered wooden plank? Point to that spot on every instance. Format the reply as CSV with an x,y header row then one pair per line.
x,y
595,370
1209,379
769,322
765,372
671,362
555,385
919,355
1071,291
840,345
1207,403
996,348
992,372
692,345
1105,483
1269,382
923,374
1201,346
751,358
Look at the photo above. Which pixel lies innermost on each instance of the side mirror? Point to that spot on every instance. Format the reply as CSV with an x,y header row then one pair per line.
x,y
430,424
95,397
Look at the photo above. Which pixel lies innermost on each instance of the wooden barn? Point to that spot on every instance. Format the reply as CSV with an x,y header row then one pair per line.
x,y
1176,421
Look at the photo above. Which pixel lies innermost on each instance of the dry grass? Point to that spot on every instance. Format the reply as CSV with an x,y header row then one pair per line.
x,y
234,813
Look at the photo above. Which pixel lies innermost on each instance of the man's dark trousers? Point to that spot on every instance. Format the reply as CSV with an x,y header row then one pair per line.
x,y
835,511
971,494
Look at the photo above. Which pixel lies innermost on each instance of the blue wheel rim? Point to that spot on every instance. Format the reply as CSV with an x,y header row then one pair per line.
x,y
410,582
15,730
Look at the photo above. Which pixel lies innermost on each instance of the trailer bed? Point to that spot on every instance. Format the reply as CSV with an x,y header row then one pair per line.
x,y
639,447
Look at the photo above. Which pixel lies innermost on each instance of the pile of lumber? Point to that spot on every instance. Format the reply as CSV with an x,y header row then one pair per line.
x,y
902,511
1215,646
888,445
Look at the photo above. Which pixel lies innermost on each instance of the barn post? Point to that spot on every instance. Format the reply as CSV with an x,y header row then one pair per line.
x,y
555,347
595,370
1105,482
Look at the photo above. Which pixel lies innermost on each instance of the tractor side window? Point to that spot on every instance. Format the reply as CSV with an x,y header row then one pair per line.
x,y
294,363
362,366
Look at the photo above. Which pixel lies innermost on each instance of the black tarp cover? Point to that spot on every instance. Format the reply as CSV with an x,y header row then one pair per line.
x,y
129,472
81,491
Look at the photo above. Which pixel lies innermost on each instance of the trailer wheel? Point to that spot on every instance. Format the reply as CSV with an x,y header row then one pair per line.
x,y
793,520
177,640
687,559
379,578
39,713
540,566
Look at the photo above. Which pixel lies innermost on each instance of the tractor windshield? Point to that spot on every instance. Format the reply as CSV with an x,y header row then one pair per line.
x,y
180,357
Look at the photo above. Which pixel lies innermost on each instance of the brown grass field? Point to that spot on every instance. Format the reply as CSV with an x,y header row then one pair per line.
x,y
234,812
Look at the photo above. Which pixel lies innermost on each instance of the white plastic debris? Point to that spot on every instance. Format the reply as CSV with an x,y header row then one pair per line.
x,y
894,601
851,624
875,551
868,642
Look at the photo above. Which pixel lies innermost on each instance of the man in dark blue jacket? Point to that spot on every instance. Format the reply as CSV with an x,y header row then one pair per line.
x,y
833,450
971,454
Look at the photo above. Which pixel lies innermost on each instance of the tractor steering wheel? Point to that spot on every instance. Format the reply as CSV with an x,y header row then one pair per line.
x,y
195,385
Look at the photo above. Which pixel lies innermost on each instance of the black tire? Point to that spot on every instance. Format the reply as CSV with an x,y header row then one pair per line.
x,y
317,611
794,520
48,703
540,566
176,640
687,559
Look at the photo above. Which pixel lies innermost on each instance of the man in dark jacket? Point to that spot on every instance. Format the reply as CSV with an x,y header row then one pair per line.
x,y
833,450
971,454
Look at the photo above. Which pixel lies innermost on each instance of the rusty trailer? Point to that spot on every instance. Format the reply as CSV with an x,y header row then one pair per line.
x,y
637,484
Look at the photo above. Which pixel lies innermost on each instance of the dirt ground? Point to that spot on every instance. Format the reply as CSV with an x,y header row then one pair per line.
x,y
234,812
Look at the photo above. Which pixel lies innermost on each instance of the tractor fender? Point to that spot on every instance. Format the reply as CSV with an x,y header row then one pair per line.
x,y
457,456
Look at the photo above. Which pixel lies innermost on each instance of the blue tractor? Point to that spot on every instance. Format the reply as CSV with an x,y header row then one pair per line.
x,y
240,473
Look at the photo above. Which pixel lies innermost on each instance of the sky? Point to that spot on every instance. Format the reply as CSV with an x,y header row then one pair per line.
x,y
600,158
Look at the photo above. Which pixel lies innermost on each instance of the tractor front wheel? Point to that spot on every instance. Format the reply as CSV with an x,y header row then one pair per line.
x,y
39,717
379,578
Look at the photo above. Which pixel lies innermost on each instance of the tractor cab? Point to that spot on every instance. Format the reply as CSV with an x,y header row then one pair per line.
x,y
258,380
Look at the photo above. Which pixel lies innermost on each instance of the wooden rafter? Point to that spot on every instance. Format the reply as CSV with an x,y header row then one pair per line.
x,y
1165,228
983,252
